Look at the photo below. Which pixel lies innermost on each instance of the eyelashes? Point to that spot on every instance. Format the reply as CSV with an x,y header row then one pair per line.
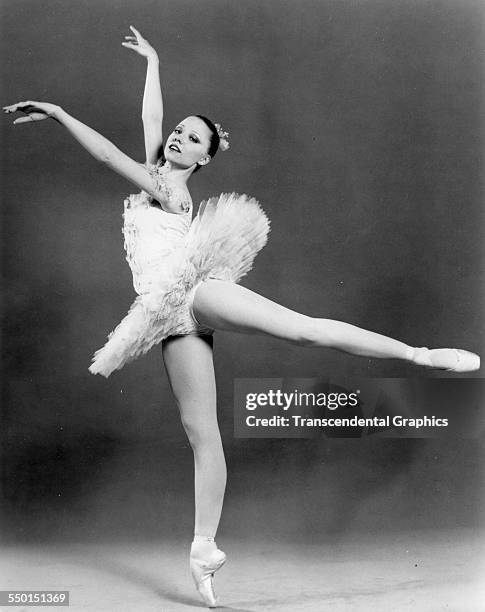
x,y
178,130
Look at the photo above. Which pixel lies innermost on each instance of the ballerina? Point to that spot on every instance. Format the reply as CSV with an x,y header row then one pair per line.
x,y
185,274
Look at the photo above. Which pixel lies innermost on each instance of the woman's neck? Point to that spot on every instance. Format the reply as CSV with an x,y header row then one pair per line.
x,y
178,174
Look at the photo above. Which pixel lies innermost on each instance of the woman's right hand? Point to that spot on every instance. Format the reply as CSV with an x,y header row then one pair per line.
x,y
35,111
139,44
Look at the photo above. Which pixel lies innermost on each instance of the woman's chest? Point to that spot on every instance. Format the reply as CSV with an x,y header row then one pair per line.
x,y
152,221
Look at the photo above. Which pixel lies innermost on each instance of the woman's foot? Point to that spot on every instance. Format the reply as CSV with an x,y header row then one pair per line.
x,y
451,360
205,559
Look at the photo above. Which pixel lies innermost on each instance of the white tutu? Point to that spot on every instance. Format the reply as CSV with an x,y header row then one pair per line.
x,y
222,242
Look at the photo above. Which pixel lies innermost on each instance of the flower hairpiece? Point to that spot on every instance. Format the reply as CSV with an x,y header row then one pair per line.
x,y
223,137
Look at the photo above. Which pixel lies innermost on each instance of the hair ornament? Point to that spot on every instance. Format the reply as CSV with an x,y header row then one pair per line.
x,y
223,137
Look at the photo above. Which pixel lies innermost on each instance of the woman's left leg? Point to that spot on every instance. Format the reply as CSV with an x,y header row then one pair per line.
x,y
227,306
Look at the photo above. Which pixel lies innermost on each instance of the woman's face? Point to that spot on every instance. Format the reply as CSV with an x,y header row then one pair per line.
x,y
188,144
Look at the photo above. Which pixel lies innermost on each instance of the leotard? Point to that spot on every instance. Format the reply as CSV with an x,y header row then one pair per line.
x,y
170,256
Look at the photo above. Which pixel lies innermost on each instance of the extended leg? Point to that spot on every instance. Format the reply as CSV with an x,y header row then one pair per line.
x,y
190,369
226,306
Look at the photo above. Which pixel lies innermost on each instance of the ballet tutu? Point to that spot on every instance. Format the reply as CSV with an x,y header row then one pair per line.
x,y
221,242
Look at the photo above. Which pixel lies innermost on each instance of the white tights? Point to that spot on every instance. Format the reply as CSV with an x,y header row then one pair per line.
x,y
188,360
226,306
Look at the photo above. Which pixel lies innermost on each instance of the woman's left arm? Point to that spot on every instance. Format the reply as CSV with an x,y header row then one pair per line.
x,y
152,111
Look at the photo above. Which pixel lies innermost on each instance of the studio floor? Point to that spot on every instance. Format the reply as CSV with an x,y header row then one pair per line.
x,y
421,571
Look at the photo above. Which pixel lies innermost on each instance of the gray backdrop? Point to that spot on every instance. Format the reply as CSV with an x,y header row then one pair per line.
x,y
358,127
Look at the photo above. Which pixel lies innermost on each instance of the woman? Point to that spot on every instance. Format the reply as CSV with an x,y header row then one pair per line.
x,y
185,275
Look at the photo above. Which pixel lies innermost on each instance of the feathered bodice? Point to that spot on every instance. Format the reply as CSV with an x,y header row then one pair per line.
x,y
154,238
170,255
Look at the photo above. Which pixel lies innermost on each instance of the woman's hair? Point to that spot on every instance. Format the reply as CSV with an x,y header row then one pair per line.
x,y
214,141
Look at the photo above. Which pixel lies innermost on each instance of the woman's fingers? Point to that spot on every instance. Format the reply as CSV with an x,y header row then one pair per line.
x,y
28,119
35,111
138,43
31,117
12,108
135,32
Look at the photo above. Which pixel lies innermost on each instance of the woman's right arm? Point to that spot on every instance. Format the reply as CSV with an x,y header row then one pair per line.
x,y
97,145
106,152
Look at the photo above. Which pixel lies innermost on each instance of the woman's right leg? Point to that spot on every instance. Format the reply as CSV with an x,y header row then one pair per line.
x,y
189,364
190,368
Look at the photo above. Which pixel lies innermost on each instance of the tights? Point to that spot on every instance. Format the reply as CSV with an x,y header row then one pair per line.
x,y
188,360
225,306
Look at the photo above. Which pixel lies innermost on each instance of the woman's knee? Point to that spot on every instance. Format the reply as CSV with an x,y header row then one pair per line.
x,y
200,431
315,332
203,438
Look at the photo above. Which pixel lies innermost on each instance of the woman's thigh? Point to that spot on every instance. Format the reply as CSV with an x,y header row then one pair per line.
x,y
190,368
226,306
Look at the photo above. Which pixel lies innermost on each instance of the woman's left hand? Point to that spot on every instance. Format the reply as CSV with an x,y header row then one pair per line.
x,y
137,43
35,111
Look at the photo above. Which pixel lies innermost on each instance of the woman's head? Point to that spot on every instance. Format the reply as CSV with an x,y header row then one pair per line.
x,y
195,140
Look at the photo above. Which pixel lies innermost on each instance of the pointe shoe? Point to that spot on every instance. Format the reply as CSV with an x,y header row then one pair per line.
x,y
466,361
202,571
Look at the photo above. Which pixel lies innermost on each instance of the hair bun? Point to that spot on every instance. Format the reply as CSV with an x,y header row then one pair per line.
x,y
223,137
